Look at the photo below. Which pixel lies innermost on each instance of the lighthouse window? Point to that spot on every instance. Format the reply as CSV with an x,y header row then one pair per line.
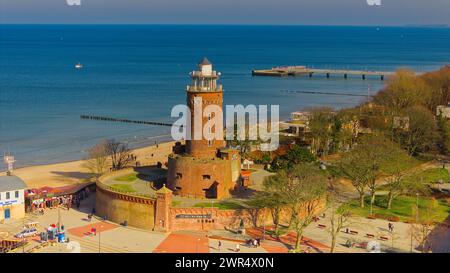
x,y
7,195
209,143
17,194
206,177
179,175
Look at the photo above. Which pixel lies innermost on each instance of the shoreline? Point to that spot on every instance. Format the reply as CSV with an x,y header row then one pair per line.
x,y
73,173
133,146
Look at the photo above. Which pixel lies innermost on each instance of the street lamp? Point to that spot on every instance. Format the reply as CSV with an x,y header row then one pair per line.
x,y
196,245
417,206
99,232
59,219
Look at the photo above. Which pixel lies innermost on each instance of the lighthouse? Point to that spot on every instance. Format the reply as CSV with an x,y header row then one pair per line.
x,y
205,91
204,168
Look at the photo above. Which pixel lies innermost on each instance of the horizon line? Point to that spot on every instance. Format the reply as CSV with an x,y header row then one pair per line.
x,y
236,24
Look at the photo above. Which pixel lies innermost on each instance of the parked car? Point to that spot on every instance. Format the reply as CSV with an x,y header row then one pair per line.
x,y
27,233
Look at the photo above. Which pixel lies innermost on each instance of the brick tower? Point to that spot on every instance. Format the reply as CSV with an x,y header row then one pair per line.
x,y
204,86
206,169
163,204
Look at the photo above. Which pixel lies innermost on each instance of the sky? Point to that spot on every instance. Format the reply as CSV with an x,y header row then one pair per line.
x,y
289,12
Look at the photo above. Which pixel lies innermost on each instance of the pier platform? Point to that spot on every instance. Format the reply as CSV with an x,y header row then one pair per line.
x,y
284,71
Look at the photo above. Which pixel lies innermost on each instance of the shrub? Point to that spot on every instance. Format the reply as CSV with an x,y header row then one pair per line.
x,y
393,218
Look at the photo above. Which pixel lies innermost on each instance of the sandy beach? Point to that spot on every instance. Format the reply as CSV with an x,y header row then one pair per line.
x,y
70,173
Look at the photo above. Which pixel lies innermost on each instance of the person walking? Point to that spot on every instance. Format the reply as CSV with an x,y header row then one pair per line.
x,y
238,248
219,245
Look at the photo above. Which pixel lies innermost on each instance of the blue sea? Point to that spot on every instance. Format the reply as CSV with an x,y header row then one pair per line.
x,y
141,71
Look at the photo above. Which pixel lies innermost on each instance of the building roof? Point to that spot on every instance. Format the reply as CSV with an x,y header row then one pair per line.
x,y
164,189
205,61
11,183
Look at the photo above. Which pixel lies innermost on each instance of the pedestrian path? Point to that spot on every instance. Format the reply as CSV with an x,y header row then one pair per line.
x,y
86,230
286,241
183,243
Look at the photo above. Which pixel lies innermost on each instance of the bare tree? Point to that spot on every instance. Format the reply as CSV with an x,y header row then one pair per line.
x,y
119,154
97,159
303,190
423,222
339,215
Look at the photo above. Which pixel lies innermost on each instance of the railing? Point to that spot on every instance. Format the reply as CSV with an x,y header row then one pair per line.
x,y
213,74
192,88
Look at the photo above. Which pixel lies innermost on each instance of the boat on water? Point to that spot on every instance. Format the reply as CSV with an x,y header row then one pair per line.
x,y
78,66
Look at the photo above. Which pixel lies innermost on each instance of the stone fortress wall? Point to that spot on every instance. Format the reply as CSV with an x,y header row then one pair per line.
x,y
156,212
137,210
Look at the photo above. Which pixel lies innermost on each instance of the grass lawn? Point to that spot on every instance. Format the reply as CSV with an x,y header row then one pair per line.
x,y
123,187
221,205
402,207
176,203
433,175
127,178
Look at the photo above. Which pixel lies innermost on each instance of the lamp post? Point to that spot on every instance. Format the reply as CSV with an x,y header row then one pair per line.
x,y
99,232
264,225
59,219
417,207
196,245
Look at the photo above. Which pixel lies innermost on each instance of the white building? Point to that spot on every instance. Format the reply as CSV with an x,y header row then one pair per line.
x,y
12,198
443,110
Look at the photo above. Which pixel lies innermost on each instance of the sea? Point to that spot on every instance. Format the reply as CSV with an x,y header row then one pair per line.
x,y
141,71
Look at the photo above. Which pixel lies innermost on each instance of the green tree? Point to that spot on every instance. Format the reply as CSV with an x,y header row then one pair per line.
x,y
421,135
404,90
320,129
298,154
399,181
272,200
443,138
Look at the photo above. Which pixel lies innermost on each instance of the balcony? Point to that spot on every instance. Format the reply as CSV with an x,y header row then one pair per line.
x,y
191,88
199,74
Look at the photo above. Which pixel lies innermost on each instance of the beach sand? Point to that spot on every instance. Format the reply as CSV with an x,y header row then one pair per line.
x,y
72,173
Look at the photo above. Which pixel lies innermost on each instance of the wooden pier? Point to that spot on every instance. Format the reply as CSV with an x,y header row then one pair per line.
x,y
126,120
284,71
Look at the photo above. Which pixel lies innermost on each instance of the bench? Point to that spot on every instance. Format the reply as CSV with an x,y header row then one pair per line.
x,y
321,226
353,232
382,238
370,235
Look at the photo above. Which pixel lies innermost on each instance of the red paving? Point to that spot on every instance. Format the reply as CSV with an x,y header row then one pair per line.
x,y
183,243
288,239
271,248
86,230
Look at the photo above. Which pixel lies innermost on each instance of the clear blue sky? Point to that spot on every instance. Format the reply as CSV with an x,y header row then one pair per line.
x,y
309,12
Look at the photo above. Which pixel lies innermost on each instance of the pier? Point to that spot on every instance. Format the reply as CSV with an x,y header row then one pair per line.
x,y
101,118
285,71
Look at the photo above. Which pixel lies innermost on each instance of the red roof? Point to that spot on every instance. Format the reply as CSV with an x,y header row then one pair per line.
x,y
57,191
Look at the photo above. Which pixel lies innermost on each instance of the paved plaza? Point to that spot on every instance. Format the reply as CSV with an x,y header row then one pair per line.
x,y
114,238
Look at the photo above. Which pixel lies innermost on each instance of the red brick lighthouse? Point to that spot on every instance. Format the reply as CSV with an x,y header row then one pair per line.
x,y
205,169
